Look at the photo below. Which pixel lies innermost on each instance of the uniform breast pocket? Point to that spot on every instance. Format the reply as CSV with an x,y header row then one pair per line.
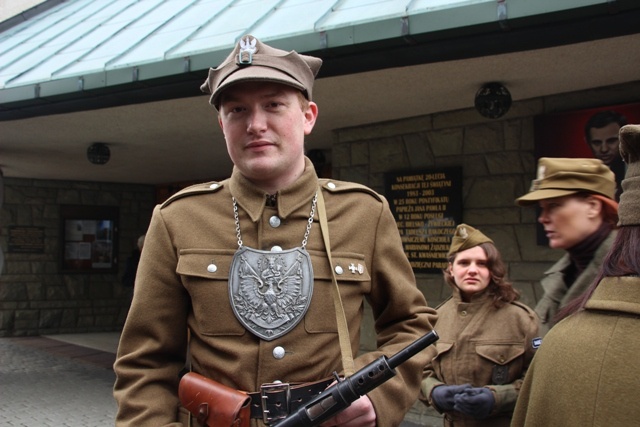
x,y
205,275
353,280
441,362
503,360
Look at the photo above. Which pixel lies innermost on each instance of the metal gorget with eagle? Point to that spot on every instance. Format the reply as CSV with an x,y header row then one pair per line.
x,y
270,291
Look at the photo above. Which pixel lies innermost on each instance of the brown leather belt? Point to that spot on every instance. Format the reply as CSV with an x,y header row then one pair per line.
x,y
275,401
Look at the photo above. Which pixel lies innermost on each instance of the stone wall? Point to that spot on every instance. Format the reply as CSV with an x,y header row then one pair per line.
x,y
35,297
498,164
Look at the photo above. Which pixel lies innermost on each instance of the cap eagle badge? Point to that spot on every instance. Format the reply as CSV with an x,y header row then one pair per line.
x,y
247,49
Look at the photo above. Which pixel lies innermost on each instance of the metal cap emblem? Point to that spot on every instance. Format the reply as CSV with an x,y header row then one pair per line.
x,y
247,49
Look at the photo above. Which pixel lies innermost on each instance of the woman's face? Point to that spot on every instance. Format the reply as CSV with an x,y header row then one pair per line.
x,y
568,220
470,271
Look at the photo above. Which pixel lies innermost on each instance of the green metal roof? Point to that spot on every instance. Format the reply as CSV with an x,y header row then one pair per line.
x,y
80,45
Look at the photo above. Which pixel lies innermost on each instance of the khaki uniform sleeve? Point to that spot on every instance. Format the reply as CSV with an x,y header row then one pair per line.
x,y
153,343
428,384
401,316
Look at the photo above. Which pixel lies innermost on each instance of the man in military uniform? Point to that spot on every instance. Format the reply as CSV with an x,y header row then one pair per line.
x,y
242,272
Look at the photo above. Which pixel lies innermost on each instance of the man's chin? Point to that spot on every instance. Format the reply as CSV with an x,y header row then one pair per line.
x,y
607,162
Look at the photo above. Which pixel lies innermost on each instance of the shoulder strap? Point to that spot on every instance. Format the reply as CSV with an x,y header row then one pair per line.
x,y
341,319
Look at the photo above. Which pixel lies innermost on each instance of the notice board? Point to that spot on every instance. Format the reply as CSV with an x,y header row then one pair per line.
x,y
89,239
26,239
427,206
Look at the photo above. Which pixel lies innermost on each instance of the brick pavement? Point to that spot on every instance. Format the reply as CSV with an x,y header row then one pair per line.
x,y
48,383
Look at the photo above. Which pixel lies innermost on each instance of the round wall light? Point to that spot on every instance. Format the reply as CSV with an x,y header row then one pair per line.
x,y
493,100
98,153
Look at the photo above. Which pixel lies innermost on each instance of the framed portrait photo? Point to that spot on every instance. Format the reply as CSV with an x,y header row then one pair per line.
x,y
587,133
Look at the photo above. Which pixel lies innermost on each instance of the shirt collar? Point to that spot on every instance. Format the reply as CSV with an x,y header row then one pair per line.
x,y
253,200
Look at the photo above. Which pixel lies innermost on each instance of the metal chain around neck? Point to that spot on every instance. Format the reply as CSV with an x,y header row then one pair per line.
x,y
306,234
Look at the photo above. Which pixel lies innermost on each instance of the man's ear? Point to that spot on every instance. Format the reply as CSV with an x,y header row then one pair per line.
x,y
310,116
220,123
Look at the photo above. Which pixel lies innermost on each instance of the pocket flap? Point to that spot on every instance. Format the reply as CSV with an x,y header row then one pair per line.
x,y
442,347
349,267
500,353
216,263
206,263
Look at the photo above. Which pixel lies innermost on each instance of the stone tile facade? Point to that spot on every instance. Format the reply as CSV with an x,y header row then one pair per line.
x,y
498,164
35,297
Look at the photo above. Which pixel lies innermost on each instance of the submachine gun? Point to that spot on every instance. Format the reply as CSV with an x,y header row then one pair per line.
x,y
345,391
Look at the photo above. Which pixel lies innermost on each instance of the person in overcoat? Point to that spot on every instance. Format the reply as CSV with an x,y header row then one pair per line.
x,y
578,211
585,372
240,272
487,338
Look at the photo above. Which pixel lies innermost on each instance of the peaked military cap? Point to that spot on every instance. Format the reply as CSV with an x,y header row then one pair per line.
x,y
559,177
252,60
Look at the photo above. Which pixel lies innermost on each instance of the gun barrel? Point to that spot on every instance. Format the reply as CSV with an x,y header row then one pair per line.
x,y
412,349
340,395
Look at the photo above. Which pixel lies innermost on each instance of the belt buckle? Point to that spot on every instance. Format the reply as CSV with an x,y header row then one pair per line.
x,y
280,407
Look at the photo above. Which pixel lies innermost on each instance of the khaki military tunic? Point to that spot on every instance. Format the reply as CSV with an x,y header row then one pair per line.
x,y
586,372
182,285
558,294
483,346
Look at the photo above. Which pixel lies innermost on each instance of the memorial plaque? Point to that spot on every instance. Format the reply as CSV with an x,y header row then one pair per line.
x,y
26,239
427,206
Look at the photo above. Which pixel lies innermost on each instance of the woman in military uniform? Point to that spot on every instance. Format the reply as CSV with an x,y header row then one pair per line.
x,y
579,213
487,339
585,373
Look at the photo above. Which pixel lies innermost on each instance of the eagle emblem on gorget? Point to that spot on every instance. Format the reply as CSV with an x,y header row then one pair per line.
x,y
270,292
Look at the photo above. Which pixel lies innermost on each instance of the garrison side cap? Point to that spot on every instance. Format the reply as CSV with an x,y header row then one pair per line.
x,y
466,237
557,177
252,60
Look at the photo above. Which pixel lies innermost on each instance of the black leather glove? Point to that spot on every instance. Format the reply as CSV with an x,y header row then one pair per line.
x,y
476,402
443,396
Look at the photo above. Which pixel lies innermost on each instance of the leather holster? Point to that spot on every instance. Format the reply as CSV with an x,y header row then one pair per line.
x,y
214,404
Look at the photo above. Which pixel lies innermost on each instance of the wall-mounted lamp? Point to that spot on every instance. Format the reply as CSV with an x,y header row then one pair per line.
x,y
493,100
98,153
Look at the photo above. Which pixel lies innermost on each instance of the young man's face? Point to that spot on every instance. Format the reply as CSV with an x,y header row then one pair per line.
x,y
604,143
264,125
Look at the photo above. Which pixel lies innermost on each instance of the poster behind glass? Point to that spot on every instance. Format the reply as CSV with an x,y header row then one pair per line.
x,y
586,133
89,243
